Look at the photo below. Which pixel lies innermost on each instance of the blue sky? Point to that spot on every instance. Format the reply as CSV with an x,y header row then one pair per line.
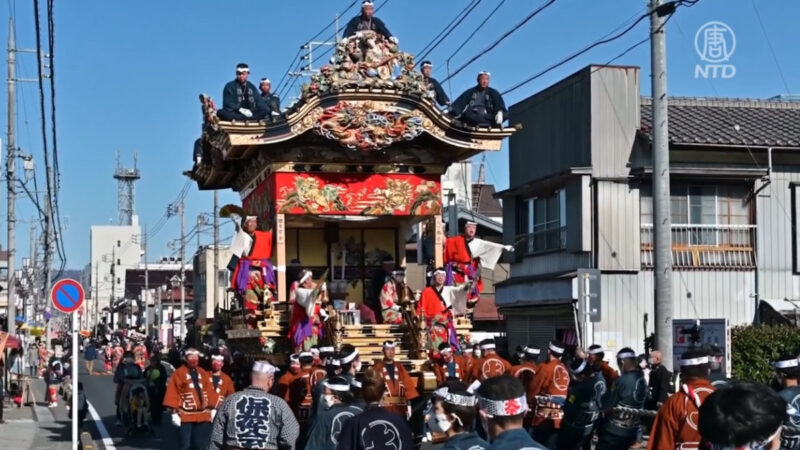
x,y
128,75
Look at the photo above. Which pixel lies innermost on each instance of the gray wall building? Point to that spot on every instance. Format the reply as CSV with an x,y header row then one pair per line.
x,y
580,198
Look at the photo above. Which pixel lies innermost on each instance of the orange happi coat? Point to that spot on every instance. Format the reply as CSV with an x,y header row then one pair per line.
x,y
223,387
676,421
193,402
400,389
489,366
552,380
442,370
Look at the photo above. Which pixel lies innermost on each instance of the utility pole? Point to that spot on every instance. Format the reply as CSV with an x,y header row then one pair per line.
x,y
200,222
95,297
183,271
662,273
146,293
111,299
48,258
11,160
216,249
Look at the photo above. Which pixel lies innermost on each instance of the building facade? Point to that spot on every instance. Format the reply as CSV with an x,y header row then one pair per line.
x,y
113,250
580,198
205,284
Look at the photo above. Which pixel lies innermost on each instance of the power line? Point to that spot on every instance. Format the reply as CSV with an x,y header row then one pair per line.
x,y
470,6
666,7
501,38
280,84
474,32
771,49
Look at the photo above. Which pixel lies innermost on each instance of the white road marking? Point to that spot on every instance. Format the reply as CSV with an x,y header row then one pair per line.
x,y
101,428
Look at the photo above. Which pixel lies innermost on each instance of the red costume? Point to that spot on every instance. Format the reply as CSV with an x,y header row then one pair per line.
x,y
552,380
400,388
460,265
435,306
140,355
305,328
676,422
254,274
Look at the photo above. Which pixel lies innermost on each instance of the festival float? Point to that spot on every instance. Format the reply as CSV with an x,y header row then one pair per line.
x,y
341,180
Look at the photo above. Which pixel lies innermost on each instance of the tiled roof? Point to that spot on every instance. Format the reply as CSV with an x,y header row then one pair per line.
x,y
487,204
736,122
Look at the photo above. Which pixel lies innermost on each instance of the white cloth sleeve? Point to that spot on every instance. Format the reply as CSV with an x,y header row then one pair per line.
x,y
488,252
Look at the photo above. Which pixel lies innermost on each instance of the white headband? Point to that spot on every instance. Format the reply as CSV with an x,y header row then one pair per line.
x,y
751,445
460,400
192,351
305,276
326,349
597,350
427,64
263,367
355,383
250,218
367,3
624,355
446,350
488,346
336,362
349,358
337,387
218,358
470,224
265,80
439,271
512,407
484,73
532,351
555,348
306,355
441,392
314,351
693,361
581,368
295,358
242,69
786,364
389,344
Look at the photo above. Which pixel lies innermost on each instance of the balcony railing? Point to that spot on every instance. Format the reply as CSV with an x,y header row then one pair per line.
x,y
542,241
705,246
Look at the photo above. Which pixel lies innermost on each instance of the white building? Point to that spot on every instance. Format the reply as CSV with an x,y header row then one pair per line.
x,y
205,283
113,249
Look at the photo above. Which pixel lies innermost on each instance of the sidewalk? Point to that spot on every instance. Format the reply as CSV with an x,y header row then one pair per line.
x,y
36,427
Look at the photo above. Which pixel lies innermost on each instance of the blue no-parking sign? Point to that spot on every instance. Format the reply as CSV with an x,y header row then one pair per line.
x,y
67,295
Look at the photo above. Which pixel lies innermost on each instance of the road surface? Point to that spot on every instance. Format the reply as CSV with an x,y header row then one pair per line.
x,y
101,420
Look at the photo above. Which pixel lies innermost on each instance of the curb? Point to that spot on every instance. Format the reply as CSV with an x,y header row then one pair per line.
x,y
86,442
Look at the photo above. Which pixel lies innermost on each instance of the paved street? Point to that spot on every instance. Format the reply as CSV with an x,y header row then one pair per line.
x,y
36,427
101,420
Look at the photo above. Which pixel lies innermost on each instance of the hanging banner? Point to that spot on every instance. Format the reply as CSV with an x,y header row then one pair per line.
x,y
348,194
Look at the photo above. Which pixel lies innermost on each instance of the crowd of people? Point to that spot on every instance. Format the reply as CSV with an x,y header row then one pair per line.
x,y
547,398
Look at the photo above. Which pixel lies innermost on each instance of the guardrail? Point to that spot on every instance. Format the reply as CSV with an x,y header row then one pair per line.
x,y
705,246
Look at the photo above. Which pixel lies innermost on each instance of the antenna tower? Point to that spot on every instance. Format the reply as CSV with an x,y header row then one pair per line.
x,y
125,180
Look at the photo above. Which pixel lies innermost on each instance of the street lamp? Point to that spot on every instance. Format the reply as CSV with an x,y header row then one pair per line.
x,y
176,282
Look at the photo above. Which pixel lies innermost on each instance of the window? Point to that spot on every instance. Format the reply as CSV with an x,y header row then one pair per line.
x,y
712,226
119,262
119,243
119,280
543,220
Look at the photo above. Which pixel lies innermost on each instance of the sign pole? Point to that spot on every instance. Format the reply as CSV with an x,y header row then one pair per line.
x,y
75,353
